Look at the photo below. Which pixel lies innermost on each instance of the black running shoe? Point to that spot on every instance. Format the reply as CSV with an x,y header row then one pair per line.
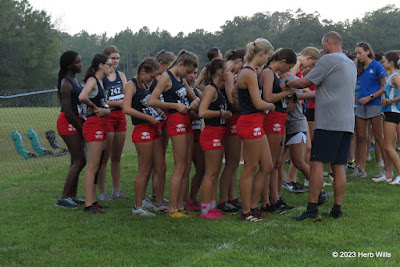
x,y
98,206
228,208
337,215
282,207
269,208
323,197
92,209
294,187
236,202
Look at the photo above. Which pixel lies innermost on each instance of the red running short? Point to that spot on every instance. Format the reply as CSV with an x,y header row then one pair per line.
x,y
95,129
196,136
231,129
178,124
145,132
64,127
274,123
212,137
250,126
116,121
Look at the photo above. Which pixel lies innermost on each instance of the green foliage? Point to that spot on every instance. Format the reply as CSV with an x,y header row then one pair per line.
x,y
32,46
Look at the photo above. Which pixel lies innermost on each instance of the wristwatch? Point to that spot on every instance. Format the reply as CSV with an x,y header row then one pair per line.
x,y
372,96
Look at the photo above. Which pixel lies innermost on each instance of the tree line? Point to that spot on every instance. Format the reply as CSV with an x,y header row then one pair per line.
x,y
30,45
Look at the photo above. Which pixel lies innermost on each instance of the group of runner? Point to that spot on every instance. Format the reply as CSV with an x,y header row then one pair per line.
x,y
249,102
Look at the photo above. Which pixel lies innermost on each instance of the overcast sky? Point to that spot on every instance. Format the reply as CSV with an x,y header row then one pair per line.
x,y
114,16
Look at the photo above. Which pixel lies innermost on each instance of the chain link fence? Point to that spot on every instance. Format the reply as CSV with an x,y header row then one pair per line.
x,y
28,132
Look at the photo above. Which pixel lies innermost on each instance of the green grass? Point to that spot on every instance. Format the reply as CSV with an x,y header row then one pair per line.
x,y
34,232
40,120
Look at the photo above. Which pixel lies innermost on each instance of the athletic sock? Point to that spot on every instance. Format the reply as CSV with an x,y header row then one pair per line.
x,y
213,204
205,208
312,208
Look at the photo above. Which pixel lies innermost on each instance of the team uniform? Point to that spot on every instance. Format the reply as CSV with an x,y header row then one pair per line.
x,y
116,121
232,121
212,137
250,122
144,131
274,122
177,123
163,123
392,112
95,128
64,127
370,83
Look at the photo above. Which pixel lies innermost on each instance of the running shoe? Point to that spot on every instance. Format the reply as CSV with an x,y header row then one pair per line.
x,y
333,215
396,181
249,217
382,179
104,197
294,187
351,164
213,214
281,206
92,209
141,211
306,216
118,194
147,204
236,202
269,208
161,208
228,208
381,164
152,198
358,173
256,212
190,206
97,205
306,183
398,149
177,214
323,197
66,203
79,200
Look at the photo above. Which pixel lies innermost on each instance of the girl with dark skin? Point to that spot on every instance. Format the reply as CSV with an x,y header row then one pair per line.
x,y
69,125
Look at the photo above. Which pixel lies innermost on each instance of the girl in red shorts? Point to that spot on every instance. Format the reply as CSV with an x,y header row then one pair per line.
x,y
198,154
146,134
232,144
95,127
116,127
257,158
69,125
213,108
274,122
175,90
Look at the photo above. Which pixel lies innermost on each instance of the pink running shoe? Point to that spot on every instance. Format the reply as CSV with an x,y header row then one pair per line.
x,y
211,215
217,213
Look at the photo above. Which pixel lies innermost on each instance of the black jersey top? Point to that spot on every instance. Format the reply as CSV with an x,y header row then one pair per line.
x,y
245,103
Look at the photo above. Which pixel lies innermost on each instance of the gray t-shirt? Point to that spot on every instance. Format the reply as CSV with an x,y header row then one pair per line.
x,y
295,122
335,77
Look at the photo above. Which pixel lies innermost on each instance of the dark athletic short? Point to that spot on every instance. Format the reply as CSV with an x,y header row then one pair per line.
x,y
330,146
393,117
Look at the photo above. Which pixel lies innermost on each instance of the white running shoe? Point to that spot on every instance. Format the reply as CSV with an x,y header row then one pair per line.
x,y
160,208
141,212
382,179
104,197
118,194
396,181
147,204
358,173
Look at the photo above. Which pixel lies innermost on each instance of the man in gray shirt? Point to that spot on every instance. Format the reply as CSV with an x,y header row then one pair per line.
x,y
335,78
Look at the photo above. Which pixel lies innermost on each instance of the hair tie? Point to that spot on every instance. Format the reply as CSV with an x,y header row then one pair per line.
x,y
254,43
